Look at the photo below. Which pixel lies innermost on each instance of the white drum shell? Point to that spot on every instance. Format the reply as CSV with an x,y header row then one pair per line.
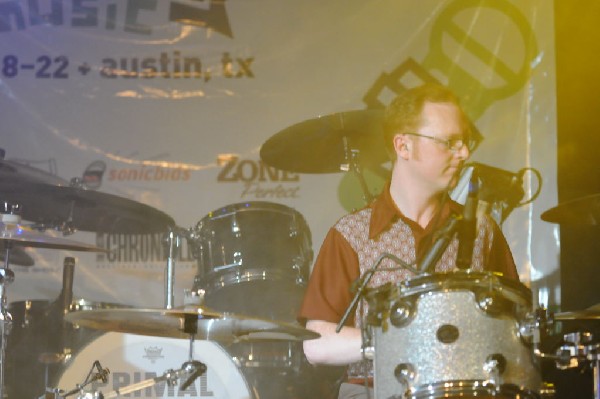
x,y
134,358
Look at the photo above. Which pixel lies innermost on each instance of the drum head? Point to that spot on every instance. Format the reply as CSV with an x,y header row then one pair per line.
x,y
134,358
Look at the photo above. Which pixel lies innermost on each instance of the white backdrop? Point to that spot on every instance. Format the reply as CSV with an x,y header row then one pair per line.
x,y
96,84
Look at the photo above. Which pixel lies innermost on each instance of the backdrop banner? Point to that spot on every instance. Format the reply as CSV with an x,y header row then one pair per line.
x,y
167,103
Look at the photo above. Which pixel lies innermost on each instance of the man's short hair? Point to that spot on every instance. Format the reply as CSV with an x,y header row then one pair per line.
x,y
403,114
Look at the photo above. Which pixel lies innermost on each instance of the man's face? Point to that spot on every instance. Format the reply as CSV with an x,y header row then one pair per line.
x,y
434,163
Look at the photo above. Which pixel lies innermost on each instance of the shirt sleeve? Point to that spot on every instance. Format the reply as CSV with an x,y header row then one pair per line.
x,y
328,292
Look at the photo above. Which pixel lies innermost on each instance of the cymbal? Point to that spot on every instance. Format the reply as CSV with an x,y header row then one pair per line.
x,y
181,323
82,209
18,257
591,313
321,145
16,172
580,211
16,234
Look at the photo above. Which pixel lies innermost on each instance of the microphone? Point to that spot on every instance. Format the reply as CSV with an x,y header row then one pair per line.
x,y
67,288
101,375
433,255
195,370
468,226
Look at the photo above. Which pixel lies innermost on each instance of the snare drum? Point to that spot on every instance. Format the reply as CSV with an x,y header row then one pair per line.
x,y
254,250
134,358
452,335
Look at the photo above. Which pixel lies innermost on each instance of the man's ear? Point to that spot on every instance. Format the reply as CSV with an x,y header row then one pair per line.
x,y
402,146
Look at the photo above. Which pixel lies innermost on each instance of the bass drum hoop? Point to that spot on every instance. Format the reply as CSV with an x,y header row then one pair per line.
x,y
468,388
510,289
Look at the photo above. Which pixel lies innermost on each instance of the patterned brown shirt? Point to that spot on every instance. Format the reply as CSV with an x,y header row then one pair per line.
x,y
353,245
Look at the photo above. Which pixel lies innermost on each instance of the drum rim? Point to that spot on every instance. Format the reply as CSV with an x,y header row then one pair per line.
x,y
457,387
237,207
219,280
454,281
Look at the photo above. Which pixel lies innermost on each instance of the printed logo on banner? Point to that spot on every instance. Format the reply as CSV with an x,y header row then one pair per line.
x,y
135,251
190,12
140,251
126,16
92,176
464,79
258,180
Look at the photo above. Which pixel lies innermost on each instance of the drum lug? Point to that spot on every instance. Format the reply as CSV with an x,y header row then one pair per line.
x,y
492,303
495,365
401,313
405,374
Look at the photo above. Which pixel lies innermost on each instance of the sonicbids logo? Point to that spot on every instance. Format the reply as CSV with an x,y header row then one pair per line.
x,y
96,171
149,173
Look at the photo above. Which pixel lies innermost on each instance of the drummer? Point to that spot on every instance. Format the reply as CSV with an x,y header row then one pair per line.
x,y
428,136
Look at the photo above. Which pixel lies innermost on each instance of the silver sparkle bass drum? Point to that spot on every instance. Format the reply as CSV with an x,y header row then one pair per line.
x,y
452,335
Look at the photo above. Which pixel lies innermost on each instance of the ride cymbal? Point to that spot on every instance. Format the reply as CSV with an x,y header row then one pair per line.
x,y
50,201
580,211
17,256
591,313
183,323
15,234
325,144
78,208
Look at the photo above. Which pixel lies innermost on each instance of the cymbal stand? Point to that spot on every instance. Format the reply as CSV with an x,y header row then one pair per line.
x,y
577,350
172,242
7,276
352,157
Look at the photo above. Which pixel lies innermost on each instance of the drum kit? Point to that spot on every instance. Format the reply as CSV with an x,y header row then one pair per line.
x,y
459,334
39,336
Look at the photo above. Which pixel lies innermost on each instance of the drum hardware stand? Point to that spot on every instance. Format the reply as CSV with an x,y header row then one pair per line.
x,y
172,242
577,350
9,216
352,157
364,280
101,374
191,369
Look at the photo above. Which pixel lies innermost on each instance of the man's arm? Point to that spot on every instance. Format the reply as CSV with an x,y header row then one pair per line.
x,y
334,349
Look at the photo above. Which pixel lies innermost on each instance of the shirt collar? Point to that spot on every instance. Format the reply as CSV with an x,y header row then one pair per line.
x,y
385,213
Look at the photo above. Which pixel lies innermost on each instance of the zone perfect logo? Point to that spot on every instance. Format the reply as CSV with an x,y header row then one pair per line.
x,y
126,15
259,180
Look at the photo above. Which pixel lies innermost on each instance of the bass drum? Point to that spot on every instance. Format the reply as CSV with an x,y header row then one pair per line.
x,y
254,250
134,358
39,343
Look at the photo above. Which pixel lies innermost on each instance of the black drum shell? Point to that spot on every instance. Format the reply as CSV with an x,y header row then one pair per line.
x,y
253,258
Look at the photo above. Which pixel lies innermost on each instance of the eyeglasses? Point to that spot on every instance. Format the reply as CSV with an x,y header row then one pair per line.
x,y
454,144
